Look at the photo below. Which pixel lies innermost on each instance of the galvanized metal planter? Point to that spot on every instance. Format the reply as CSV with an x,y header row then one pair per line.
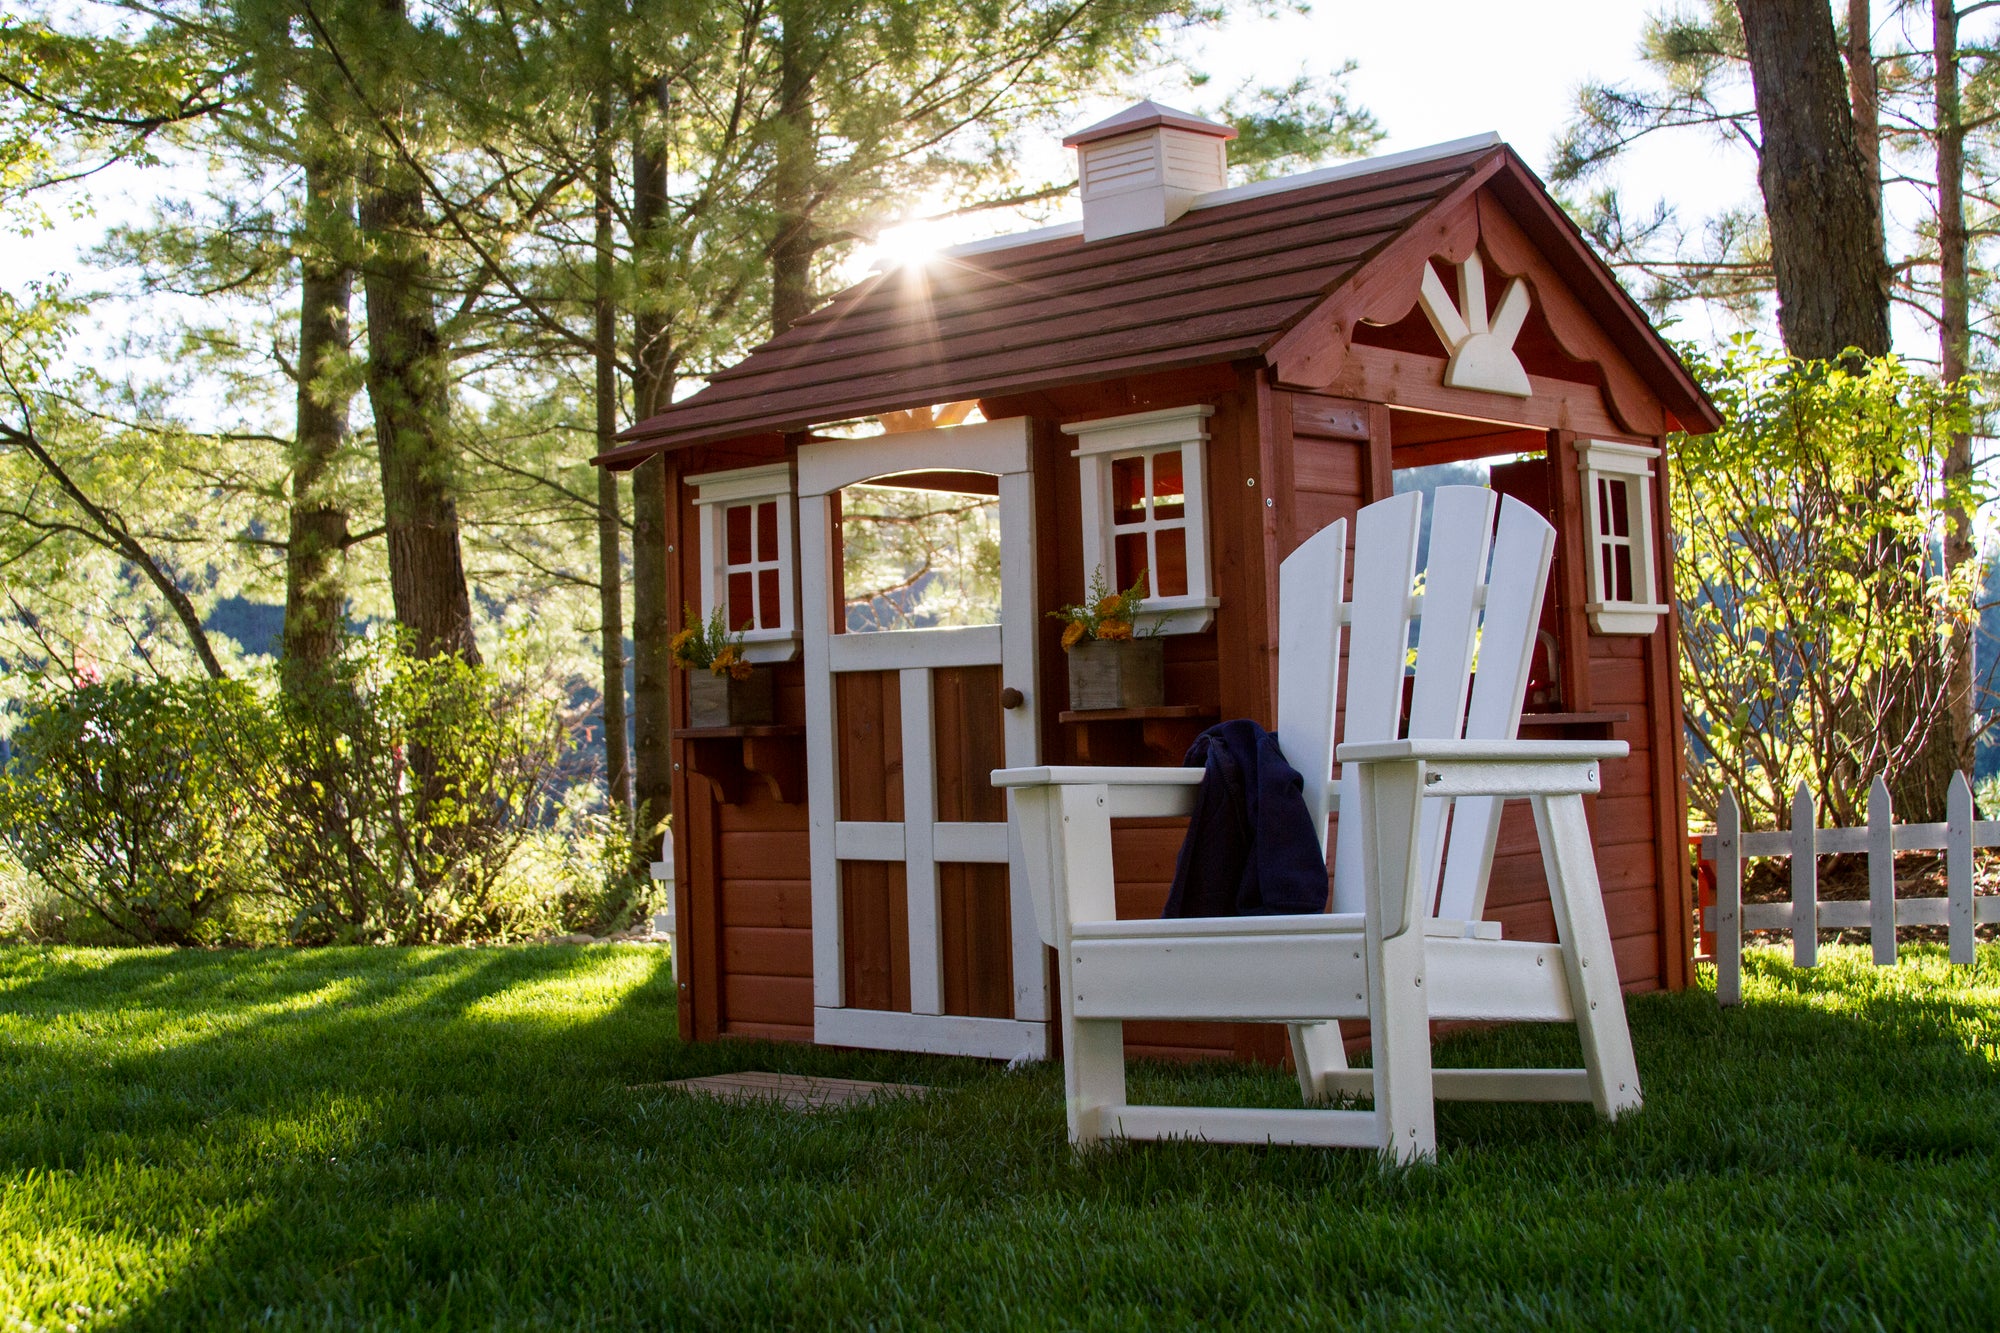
x,y
1116,673
724,701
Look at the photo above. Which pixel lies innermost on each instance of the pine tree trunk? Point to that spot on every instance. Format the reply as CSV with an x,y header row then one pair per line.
x,y
1833,282
652,603
1864,96
408,392
610,544
315,591
1954,352
796,154
406,389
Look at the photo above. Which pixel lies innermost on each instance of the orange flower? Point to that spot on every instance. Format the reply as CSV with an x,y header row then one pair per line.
x,y
1072,634
678,645
740,670
1114,629
1110,604
723,660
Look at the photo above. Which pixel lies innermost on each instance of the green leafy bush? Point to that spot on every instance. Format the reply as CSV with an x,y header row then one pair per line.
x,y
404,786
138,802
1814,612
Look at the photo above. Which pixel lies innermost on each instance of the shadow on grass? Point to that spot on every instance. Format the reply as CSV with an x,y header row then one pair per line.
x,y
444,1137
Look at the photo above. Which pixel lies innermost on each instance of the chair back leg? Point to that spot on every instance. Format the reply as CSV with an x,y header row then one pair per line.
x,y
1317,1051
1594,993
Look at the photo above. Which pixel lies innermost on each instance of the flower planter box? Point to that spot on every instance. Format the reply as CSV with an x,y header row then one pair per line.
x,y
724,701
1118,673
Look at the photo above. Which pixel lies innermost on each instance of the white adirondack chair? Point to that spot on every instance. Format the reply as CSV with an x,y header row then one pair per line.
x,y
1404,942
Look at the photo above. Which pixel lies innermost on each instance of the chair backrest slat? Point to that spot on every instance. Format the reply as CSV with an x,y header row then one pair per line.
x,y
1378,637
1454,581
1522,551
1309,661
1466,617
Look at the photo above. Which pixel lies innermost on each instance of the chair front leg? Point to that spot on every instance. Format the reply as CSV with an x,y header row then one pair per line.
x,y
1093,1049
1398,1011
1592,968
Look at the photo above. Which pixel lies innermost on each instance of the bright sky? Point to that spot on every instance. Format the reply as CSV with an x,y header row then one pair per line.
x,y
1434,70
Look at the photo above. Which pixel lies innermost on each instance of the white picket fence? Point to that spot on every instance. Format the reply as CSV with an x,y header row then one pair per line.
x,y
1729,847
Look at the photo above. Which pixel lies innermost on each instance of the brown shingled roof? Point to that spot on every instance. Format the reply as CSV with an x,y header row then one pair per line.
x,y
1223,282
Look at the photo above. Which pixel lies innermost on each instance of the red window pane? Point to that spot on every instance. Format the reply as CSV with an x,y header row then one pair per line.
x,y
1131,557
1622,563
1128,490
1169,495
1170,578
1607,565
1621,514
767,599
736,535
741,613
767,530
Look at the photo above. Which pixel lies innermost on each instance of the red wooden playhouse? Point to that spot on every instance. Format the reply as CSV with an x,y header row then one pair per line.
x,y
1177,391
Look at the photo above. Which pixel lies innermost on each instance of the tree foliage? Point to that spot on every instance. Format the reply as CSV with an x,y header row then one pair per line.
x,y
1812,603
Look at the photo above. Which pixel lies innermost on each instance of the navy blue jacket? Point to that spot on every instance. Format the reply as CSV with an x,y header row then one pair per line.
x,y
1250,848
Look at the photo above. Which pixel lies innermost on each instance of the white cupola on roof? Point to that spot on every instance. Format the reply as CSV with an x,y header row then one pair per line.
x,y
1143,167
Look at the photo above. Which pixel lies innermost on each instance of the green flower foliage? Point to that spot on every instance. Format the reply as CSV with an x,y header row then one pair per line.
x,y
127,798
1814,609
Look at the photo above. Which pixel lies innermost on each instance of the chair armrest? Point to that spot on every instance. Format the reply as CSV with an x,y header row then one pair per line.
x,y
1493,767
1133,793
1074,775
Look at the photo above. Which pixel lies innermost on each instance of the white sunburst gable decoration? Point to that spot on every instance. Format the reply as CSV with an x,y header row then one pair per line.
x,y
1482,350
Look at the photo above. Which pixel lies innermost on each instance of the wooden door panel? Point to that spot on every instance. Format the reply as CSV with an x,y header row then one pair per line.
x,y
868,720
875,925
970,744
976,923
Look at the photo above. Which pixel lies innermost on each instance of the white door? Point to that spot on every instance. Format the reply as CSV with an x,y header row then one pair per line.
x,y
917,636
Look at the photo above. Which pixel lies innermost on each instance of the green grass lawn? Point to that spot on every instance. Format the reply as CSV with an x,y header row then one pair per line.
x,y
453,1138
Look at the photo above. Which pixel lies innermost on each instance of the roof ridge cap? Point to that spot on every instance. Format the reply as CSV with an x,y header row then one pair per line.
x,y
1256,189
1343,170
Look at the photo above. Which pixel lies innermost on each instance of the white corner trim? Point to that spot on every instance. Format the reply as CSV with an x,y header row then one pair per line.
x,y
762,482
1177,615
1141,430
1625,617
766,646
1615,456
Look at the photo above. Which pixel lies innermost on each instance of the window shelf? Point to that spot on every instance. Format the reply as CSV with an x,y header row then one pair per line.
x,y
1139,736
730,757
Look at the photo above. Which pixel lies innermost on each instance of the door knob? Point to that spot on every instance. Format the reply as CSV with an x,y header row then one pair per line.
x,y
1012,698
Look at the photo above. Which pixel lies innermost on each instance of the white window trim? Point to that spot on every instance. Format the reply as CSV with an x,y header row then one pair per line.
x,y
1632,464
1101,441
714,491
